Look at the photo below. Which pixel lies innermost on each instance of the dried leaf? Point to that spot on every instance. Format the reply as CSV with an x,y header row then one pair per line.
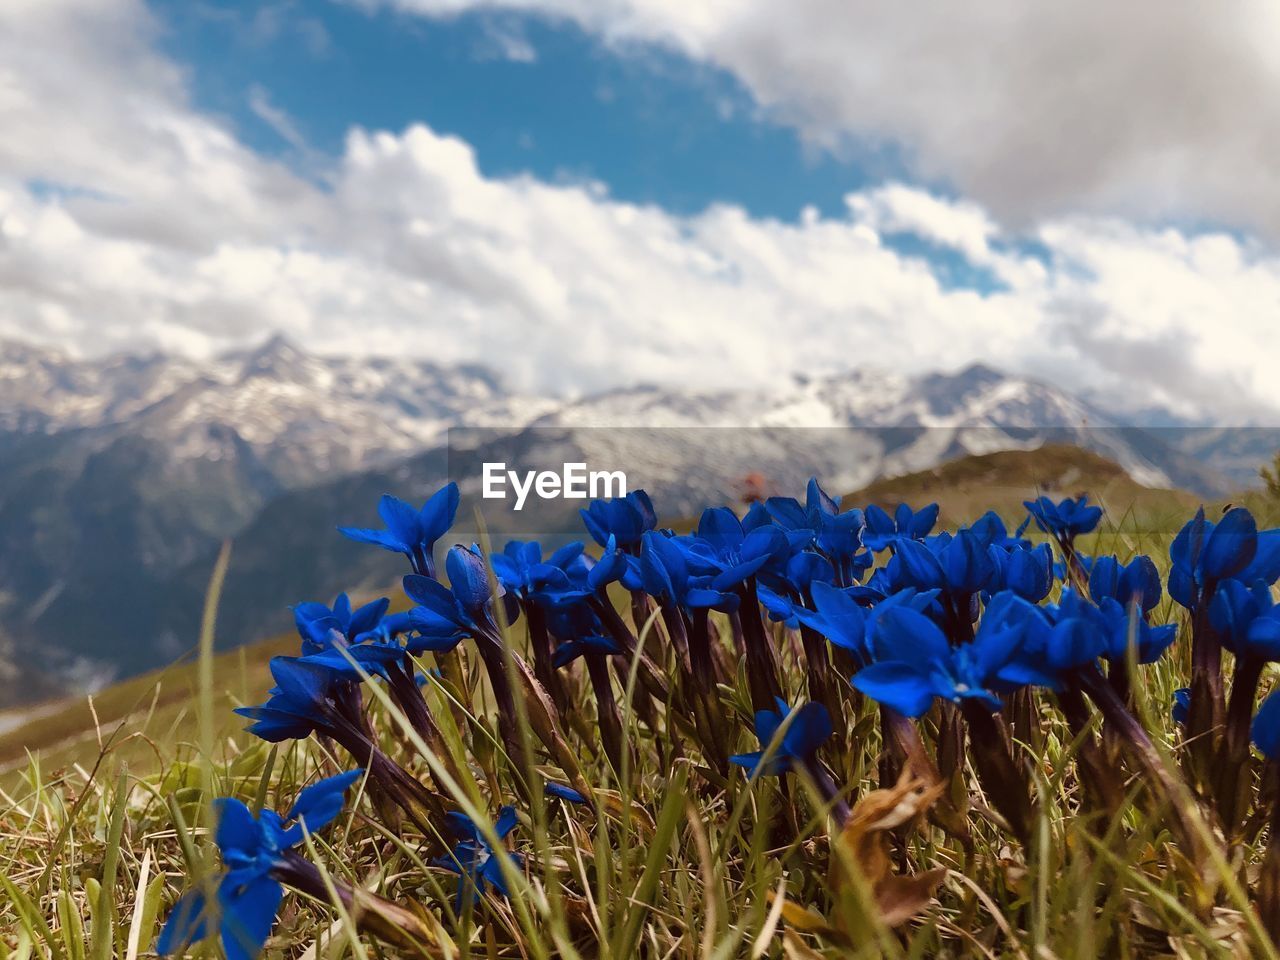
x,y
901,898
865,841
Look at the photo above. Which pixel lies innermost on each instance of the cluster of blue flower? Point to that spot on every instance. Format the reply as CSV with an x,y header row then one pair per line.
x,y
956,627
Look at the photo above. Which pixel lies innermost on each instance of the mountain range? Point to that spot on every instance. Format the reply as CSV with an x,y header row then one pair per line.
x,y
121,477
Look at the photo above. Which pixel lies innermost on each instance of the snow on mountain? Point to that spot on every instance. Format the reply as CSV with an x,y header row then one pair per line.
x,y
304,416
854,427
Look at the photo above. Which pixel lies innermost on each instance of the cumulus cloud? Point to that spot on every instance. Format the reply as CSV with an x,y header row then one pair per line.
x,y
1148,108
140,221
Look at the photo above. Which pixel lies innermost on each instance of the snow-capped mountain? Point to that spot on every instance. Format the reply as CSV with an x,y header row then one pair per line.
x,y
303,416
120,477
856,427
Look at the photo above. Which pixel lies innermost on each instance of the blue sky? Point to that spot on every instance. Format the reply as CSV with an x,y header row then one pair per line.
x,y
651,125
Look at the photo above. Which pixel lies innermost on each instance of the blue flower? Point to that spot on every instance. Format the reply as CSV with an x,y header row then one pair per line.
x,y
1137,582
562,792
301,702
253,851
1181,710
847,622
839,618
788,591
960,565
625,519
1066,519
1026,571
810,728
990,528
914,663
1074,633
1266,727
411,532
373,657
612,566
571,650
525,575
663,572
1205,553
1247,620
837,536
319,626
446,615
476,863
722,544
883,530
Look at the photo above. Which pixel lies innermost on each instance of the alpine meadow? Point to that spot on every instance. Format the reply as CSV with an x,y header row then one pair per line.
x,y
639,480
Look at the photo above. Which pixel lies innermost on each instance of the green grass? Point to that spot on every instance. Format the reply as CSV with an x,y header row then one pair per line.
x,y
104,809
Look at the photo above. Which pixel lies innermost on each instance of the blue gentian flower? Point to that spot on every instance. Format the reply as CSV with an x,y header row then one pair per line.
x,y
611,567
445,615
839,618
1137,582
1066,519
882,530
663,572
525,575
303,701
722,543
1247,620
960,564
1205,553
562,792
846,622
991,529
1181,710
1266,727
412,532
810,728
389,627
374,658
571,650
835,535
255,850
320,626
476,863
625,519
1026,571
784,591
1074,633
914,662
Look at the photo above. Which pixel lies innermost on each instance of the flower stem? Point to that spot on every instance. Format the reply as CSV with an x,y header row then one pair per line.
x,y
762,669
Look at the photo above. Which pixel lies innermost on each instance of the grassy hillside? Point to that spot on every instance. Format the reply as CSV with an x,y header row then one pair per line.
x,y
132,717
966,488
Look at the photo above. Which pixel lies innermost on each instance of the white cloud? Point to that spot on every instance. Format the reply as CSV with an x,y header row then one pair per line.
x,y
179,236
280,122
505,39
1146,107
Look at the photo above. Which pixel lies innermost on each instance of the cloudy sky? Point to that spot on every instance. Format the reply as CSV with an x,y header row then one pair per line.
x,y
588,193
